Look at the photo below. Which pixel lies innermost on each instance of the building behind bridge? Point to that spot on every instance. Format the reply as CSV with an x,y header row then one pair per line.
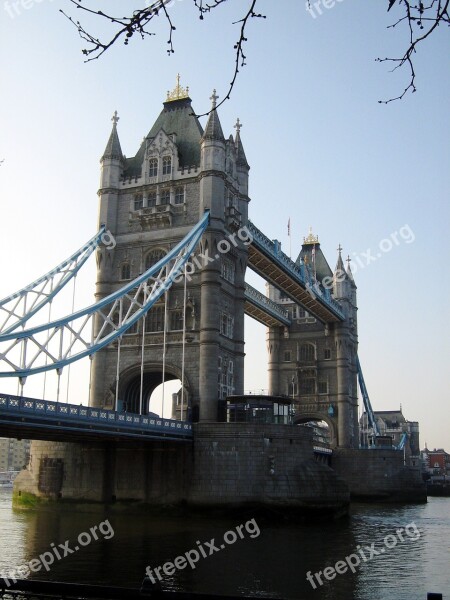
x,y
14,454
392,424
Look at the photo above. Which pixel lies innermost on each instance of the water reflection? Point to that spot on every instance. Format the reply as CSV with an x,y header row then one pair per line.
x,y
274,564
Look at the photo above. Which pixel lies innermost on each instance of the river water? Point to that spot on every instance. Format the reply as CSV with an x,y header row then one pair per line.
x,y
268,559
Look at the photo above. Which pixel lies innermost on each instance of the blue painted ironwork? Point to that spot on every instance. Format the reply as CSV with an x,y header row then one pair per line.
x,y
71,338
366,399
47,414
402,441
17,308
302,274
266,305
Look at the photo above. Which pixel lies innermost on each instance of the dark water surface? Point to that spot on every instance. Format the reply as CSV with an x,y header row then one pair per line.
x,y
271,564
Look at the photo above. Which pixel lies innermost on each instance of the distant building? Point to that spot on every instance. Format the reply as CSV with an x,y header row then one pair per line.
x,y
14,454
435,463
392,423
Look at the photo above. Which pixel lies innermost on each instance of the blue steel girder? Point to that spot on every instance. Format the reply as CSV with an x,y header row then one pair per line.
x,y
366,399
263,309
64,341
297,282
16,309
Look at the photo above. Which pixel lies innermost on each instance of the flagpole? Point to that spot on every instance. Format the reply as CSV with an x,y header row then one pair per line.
x,y
290,238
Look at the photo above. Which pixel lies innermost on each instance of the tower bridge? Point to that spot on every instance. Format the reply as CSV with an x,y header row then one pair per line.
x,y
159,315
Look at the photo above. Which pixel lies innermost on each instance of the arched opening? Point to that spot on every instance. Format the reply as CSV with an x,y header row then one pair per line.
x,y
152,392
323,429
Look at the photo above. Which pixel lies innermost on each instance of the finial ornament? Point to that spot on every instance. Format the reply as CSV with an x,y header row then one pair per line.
x,y
349,260
115,118
339,249
311,238
238,126
214,99
178,93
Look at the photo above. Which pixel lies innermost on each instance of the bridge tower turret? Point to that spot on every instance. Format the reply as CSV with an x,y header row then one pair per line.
x,y
112,167
149,202
346,347
315,363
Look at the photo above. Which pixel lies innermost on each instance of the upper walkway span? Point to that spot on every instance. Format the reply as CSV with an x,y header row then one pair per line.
x,y
266,258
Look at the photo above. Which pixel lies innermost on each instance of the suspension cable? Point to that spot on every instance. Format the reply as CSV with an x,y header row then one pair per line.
x,y
119,343
142,354
46,357
164,348
184,343
71,336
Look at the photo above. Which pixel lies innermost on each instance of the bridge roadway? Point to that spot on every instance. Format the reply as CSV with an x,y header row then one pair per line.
x,y
266,258
29,418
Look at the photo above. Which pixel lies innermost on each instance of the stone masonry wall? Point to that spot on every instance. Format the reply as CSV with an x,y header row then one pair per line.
x,y
242,463
378,473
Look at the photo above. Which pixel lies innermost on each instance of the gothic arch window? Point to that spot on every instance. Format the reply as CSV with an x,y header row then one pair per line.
x,y
167,165
155,319
138,201
151,199
307,353
176,320
179,195
125,271
165,197
153,167
153,257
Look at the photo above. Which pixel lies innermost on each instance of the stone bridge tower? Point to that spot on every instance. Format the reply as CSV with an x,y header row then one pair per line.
x,y
149,203
313,363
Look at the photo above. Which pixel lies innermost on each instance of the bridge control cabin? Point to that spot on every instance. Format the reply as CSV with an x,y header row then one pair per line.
x,y
259,409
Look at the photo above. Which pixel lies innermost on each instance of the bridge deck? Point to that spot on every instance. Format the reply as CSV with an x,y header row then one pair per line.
x,y
34,419
263,309
266,259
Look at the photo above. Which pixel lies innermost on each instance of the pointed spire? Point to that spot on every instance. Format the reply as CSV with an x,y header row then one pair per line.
x,y
349,270
241,158
213,129
113,149
340,263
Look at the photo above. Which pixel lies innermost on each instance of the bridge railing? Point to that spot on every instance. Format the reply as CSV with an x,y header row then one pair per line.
x,y
300,272
58,410
266,304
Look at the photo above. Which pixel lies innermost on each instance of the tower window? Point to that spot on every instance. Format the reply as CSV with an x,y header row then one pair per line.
x,y
167,165
153,167
151,199
308,385
165,197
226,325
138,201
179,195
227,270
153,257
322,387
307,354
125,272
287,356
327,354
155,319
176,320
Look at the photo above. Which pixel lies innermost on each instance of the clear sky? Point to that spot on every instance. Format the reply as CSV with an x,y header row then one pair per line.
x,y
323,152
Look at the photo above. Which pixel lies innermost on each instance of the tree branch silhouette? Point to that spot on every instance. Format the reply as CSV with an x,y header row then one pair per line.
x,y
421,21
138,22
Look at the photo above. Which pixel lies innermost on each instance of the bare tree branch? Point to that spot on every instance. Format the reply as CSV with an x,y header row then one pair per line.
x,y
426,18
421,21
138,22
